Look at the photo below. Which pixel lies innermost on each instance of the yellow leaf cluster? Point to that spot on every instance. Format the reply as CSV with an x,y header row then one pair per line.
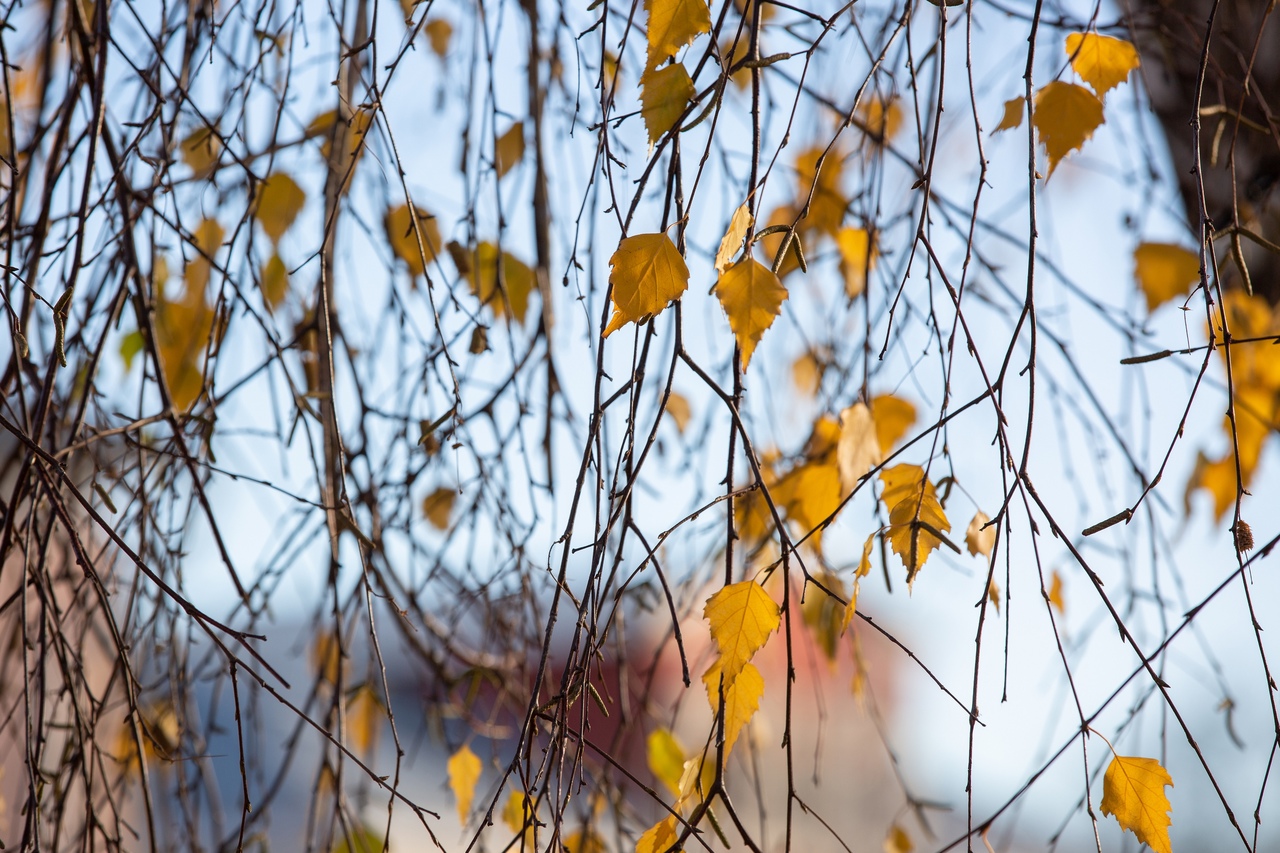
x,y
398,223
648,273
665,94
660,837
1101,61
464,770
1164,271
1066,116
915,516
752,297
1133,791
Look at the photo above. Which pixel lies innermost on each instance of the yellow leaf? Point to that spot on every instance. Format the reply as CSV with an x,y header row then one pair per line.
x,y
348,132
665,93
827,206
742,616
806,373
912,503
741,701
404,239
464,772
274,283
511,296
1013,109
978,538
279,201
1164,271
184,327
509,150
857,258
893,417
648,273
437,507
660,837
1218,478
850,609
824,614
864,565
518,815
1133,791
672,25
752,297
810,494
1066,116
584,841
678,409
1055,593
200,151
366,711
130,345
666,758
695,782
1101,61
326,656
897,840
734,51
362,839
731,242
882,117
784,215
859,448
439,32
993,595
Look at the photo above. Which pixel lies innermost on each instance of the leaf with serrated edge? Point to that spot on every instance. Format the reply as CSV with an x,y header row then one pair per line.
x,y
1066,116
742,616
464,769
659,837
912,502
665,93
1133,791
731,242
1164,271
648,273
978,538
672,25
741,701
1101,61
752,297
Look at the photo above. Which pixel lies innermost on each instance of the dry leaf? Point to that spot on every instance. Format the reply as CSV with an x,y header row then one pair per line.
x,y
678,409
731,242
510,297
672,25
279,201
742,616
439,32
648,273
437,507
274,282
823,614
509,150
404,239
1101,61
1133,791
897,840
1164,271
864,564
665,93
752,297
993,595
1055,593
979,538
828,204
1013,109
464,769
200,151
1066,116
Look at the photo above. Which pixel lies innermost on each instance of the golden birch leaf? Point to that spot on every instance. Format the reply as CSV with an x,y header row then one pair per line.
x,y
850,609
913,504
893,417
1013,109
660,837
666,758
823,614
439,33
810,494
752,297
365,711
274,282
897,840
695,782
200,151
1055,593
509,150
362,839
1133,791
326,657
665,93
584,841
731,242
806,373
672,25
859,448
882,117
404,239
464,769
279,201
1218,478
679,411
437,507
648,273
508,298
790,262
1101,61
741,701
978,538
864,565
1164,271
517,814
184,326
993,595
1066,116
828,204
742,616
857,258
